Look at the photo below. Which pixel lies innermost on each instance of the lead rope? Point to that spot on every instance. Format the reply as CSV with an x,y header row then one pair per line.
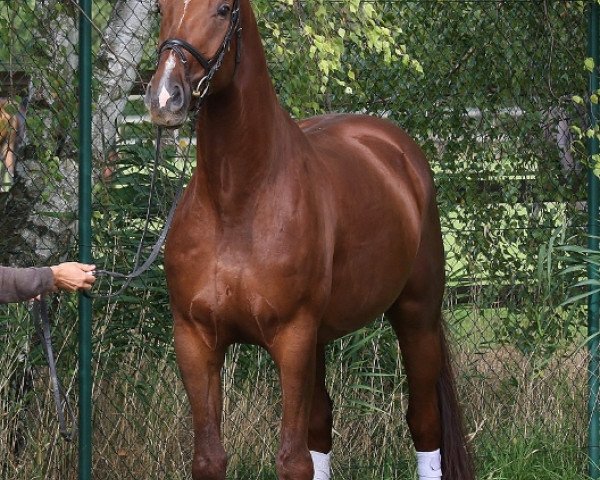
x,y
138,269
41,321
39,310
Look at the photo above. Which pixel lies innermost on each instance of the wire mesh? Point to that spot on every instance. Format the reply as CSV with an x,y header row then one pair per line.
x,y
38,206
485,87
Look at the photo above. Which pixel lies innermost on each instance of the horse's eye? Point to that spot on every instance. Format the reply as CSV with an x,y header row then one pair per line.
x,y
223,10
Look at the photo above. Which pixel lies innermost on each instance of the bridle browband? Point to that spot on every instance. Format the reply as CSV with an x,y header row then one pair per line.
x,y
212,65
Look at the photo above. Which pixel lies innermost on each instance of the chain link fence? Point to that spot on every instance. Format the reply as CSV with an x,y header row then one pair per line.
x,y
486,87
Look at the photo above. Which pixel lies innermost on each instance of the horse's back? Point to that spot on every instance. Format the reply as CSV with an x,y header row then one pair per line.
x,y
370,159
381,188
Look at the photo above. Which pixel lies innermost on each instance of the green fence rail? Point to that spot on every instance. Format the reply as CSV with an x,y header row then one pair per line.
x,y
594,233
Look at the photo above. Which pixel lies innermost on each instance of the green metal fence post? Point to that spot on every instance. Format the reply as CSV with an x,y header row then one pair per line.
x,y
85,237
593,243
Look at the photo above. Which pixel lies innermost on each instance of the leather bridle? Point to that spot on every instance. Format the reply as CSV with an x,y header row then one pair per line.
x,y
212,65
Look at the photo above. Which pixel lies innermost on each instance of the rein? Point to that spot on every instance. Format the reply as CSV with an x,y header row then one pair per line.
x,y
41,321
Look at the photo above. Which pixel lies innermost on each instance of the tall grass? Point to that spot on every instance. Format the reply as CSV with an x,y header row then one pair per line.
x,y
524,422
30,445
524,402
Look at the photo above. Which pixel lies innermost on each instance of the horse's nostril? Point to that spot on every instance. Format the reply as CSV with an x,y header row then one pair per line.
x,y
177,99
167,101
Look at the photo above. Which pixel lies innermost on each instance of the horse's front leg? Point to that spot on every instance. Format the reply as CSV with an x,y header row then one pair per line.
x,y
294,353
200,367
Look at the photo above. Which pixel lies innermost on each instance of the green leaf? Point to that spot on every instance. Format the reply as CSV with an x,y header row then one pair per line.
x,y
368,10
577,99
579,297
589,64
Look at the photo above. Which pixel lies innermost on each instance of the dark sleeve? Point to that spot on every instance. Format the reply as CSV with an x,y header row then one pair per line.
x,y
18,284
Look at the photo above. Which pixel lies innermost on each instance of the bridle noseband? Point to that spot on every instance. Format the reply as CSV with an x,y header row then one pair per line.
x,y
212,65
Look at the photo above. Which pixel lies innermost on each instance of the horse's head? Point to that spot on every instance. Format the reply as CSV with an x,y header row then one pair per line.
x,y
193,56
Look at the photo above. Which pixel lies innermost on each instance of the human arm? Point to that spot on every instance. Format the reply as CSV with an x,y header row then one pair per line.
x,y
17,284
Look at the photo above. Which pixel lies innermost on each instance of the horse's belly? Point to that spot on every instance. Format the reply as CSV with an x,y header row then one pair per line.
x,y
370,273
353,305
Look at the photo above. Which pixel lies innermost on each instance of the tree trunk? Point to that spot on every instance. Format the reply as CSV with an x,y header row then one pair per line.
x,y
39,213
129,29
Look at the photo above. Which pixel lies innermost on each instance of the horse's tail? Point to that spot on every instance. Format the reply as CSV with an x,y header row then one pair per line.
x,y
457,460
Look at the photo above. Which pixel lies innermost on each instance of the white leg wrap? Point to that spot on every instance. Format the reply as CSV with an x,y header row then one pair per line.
x,y
429,464
322,465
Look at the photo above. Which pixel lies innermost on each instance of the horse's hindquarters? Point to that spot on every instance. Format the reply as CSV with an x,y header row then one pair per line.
x,y
381,187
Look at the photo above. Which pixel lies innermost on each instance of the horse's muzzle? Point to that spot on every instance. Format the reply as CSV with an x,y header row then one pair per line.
x,y
168,102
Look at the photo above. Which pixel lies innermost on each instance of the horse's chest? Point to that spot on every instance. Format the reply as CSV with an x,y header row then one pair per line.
x,y
241,282
233,302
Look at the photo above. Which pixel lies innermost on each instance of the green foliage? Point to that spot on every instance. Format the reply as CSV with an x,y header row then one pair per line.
x,y
533,458
332,42
545,325
581,260
15,18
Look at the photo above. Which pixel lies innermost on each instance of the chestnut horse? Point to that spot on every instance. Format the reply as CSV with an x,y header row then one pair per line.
x,y
290,235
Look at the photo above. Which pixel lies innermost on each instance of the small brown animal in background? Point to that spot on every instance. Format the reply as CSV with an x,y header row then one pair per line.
x,y
12,127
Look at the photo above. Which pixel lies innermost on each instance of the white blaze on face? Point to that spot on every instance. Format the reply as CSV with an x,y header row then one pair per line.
x,y
164,95
185,6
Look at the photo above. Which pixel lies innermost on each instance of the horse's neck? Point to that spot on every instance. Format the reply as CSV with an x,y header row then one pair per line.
x,y
240,131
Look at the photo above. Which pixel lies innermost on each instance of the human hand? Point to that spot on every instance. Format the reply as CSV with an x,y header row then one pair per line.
x,y
72,276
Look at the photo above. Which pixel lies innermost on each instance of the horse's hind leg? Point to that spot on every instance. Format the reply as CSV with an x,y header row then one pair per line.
x,y
418,331
321,421
433,416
